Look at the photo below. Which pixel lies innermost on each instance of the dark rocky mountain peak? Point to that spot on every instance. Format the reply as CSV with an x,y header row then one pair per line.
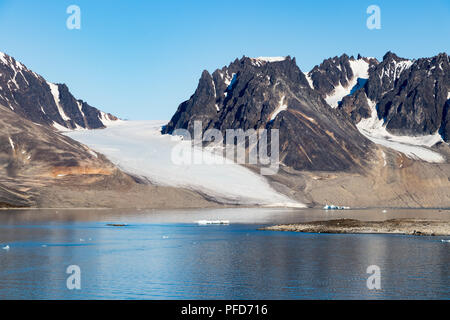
x,y
411,96
337,77
32,97
258,93
385,75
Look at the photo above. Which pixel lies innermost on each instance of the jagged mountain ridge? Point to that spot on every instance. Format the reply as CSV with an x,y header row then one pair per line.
x,y
32,97
410,97
337,77
274,93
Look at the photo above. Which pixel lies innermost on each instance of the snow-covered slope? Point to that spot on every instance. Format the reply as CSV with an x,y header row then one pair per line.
x,y
413,147
360,69
139,148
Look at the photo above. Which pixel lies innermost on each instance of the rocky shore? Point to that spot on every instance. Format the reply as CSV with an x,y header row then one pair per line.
x,y
418,227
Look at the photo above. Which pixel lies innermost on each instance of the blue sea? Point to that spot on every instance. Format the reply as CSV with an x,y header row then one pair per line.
x,y
166,254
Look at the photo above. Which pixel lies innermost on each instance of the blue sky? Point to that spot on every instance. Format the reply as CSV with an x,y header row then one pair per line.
x,y
141,59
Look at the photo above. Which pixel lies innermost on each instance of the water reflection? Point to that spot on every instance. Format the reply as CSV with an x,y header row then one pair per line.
x,y
165,255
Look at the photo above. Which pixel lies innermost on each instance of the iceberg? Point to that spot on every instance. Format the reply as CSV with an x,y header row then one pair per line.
x,y
208,222
333,207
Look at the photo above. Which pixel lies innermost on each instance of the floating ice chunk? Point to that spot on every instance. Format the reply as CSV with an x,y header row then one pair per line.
x,y
207,222
333,207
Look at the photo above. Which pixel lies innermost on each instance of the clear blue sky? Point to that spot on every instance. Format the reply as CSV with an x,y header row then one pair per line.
x,y
140,59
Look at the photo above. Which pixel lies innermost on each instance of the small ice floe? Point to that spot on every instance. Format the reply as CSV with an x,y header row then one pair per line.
x,y
82,240
165,237
44,246
333,207
207,222
447,241
6,248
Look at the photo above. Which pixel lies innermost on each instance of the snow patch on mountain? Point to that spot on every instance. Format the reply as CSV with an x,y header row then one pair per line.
x,y
413,147
281,107
271,59
308,78
107,120
3,58
360,69
59,127
397,70
55,92
139,148
11,143
260,61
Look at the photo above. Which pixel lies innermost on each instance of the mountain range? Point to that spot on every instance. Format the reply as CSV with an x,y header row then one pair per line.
x,y
319,113
353,131
42,168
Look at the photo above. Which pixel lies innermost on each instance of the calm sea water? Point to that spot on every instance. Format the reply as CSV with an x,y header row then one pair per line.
x,y
166,255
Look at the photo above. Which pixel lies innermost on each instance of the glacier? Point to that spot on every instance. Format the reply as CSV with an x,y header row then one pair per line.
x,y
139,148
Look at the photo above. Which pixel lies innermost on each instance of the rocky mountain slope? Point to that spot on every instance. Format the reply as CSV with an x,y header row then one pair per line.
x,y
353,131
267,93
409,97
41,168
397,98
33,155
337,77
32,97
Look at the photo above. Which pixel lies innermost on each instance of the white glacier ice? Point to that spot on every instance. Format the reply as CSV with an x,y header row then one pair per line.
x,y
137,147
413,147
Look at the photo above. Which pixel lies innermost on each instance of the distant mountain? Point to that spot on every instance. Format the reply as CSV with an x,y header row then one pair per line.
x,y
274,93
32,97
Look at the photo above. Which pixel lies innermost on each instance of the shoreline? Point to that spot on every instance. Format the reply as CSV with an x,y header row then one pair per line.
x,y
402,226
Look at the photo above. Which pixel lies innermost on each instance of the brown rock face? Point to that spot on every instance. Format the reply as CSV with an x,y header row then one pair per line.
x,y
33,156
